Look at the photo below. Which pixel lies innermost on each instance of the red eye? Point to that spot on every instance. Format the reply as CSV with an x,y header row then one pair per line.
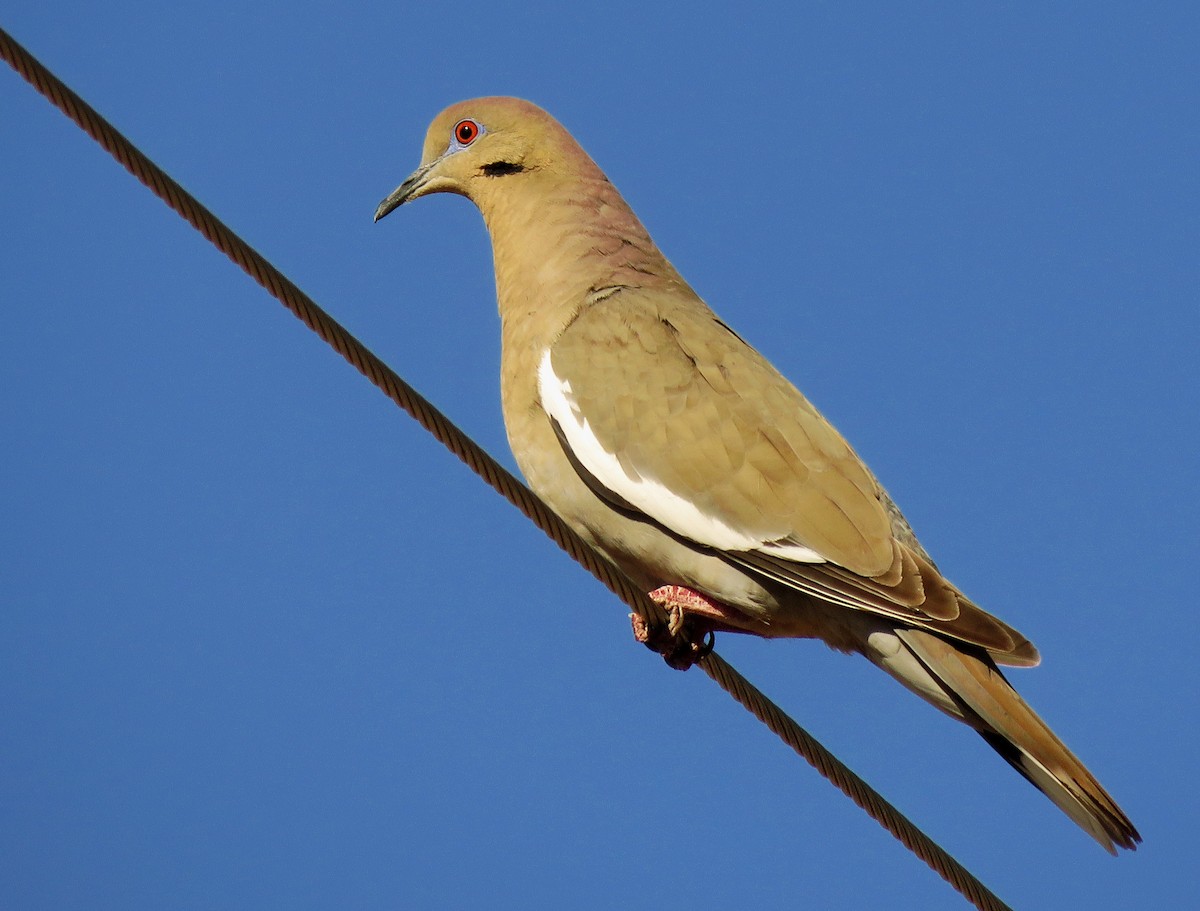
x,y
466,131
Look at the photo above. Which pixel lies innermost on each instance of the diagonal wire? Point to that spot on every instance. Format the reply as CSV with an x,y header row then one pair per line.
x,y
499,478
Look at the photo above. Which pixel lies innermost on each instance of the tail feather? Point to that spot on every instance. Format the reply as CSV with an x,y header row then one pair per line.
x,y
969,686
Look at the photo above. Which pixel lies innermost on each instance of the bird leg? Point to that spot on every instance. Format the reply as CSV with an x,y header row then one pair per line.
x,y
692,620
682,602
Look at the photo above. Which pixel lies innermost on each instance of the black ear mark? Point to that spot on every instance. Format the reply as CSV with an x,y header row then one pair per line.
x,y
501,168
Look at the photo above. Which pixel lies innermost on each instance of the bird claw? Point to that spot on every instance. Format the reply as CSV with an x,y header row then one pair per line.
x,y
673,641
688,636
675,618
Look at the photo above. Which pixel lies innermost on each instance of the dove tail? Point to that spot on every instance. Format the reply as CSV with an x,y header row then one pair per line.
x,y
969,686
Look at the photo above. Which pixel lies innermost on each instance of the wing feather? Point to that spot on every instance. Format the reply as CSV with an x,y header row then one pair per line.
x,y
677,418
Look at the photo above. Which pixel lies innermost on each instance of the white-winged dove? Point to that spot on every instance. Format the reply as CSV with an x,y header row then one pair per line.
x,y
679,452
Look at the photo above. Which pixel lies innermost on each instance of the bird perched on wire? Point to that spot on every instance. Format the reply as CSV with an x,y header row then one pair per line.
x,y
679,452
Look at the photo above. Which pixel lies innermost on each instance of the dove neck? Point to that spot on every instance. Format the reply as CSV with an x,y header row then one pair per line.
x,y
560,245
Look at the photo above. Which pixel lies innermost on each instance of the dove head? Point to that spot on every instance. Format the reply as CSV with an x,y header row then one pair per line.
x,y
482,148
558,225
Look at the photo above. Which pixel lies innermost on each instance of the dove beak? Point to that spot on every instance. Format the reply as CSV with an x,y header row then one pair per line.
x,y
413,187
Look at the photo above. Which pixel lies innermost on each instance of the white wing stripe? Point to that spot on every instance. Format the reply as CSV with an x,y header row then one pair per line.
x,y
646,494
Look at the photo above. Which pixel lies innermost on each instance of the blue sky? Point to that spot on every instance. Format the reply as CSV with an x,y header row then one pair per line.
x,y
264,644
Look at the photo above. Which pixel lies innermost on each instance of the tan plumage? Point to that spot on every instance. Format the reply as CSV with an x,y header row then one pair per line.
x,y
677,450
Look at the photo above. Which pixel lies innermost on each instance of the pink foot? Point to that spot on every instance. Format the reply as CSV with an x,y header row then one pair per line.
x,y
681,602
692,619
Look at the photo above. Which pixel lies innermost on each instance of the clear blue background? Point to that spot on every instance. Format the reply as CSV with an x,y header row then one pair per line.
x,y
263,644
